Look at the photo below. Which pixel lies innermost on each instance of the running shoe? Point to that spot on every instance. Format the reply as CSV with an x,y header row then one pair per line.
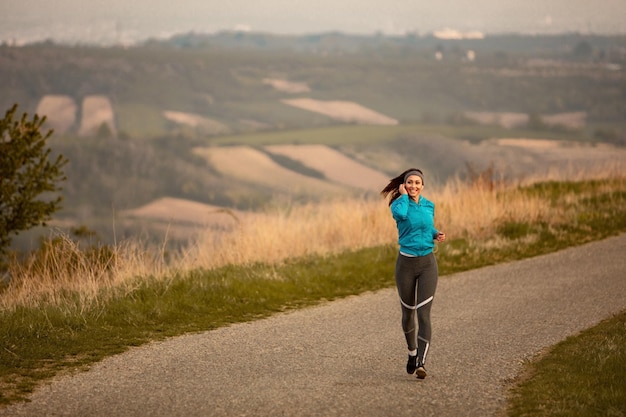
x,y
421,371
411,365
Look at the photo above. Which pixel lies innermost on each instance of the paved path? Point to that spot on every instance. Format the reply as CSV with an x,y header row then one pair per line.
x,y
347,358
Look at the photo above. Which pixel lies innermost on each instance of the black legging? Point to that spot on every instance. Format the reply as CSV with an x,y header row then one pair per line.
x,y
416,279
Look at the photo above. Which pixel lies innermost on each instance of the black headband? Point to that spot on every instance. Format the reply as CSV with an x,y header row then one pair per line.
x,y
414,172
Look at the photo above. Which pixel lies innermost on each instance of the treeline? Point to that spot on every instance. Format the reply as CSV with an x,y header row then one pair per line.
x,y
562,46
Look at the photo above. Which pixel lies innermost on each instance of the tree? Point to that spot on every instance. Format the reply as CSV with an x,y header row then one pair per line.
x,y
28,179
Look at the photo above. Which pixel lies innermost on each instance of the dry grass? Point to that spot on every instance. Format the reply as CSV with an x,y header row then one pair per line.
x,y
63,274
66,274
474,211
296,231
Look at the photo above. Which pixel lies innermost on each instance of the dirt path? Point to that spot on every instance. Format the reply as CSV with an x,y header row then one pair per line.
x,y
347,358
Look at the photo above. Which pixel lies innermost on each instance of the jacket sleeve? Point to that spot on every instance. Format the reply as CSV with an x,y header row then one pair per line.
x,y
400,207
435,231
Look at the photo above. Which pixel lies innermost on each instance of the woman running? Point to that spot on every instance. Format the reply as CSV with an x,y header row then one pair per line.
x,y
416,267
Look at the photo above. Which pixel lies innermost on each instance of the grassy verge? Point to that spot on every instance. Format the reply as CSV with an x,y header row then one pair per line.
x,y
581,376
41,342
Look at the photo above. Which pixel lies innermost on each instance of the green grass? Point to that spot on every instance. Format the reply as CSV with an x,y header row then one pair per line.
x,y
581,376
39,343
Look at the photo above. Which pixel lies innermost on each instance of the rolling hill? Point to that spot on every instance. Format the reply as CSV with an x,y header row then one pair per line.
x,y
203,123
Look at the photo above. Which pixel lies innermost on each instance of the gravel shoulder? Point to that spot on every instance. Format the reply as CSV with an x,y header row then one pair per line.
x,y
347,357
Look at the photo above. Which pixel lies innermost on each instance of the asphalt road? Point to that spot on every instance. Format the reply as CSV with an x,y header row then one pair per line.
x,y
347,357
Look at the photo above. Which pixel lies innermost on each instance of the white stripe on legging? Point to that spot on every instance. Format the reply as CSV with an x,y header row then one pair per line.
x,y
425,350
426,301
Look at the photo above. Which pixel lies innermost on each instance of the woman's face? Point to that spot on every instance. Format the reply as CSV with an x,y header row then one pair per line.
x,y
413,186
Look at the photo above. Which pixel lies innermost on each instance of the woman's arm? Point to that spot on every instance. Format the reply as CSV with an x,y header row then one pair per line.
x,y
400,207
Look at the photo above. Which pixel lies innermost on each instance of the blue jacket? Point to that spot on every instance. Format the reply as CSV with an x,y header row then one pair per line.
x,y
416,225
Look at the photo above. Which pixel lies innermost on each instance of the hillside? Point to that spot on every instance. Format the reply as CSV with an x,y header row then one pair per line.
x,y
240,121
211,85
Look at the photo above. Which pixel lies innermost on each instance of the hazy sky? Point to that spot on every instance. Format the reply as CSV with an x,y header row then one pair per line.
x,y
84,19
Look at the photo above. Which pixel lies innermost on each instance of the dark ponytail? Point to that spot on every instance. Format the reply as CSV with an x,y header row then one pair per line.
x,y
394,184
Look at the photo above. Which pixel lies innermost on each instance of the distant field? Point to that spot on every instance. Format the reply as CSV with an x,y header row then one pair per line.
x,y
442,150
182,219
344,111
572,120
196,121
357,135
140,120
60,112
251,166
505,119
177,210
96,111
287,86
531,158
509,120
335,135
335,165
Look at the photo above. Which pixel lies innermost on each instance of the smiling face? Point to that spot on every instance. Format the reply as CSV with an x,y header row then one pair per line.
x,y
413,186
